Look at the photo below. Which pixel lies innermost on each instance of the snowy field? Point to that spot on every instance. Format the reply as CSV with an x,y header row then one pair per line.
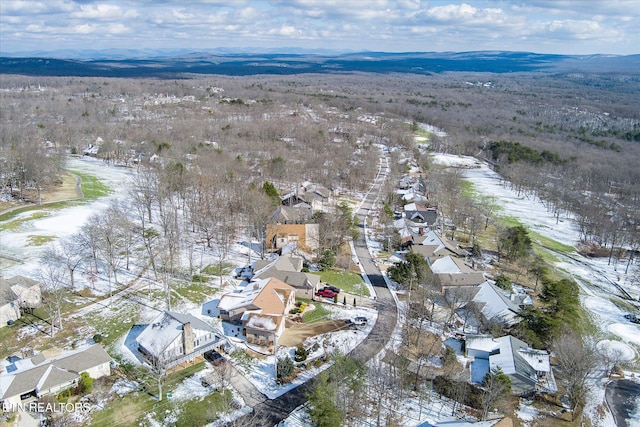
x,y
594,275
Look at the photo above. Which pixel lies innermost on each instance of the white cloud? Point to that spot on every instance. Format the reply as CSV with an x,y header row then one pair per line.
x,y
554,26
102,12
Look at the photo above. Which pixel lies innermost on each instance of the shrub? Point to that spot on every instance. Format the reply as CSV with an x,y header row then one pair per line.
x,y
97,338
503,282
86,384
301,354
285,368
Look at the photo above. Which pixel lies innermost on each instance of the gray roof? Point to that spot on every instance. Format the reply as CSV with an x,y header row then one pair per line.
x,y
52,372
165,328
288,269
292,214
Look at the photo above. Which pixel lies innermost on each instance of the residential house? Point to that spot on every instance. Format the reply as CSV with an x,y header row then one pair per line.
x,y
17,294
297,214
529,369
38,376
306,237
452,272
263,329
172,339
430,244
288,268
421,213
499,306
315,195
264,296
260,307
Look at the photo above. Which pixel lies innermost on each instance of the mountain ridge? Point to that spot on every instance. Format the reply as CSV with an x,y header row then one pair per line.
x,y
181,63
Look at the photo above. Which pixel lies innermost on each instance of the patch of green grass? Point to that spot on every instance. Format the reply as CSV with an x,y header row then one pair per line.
x,y
133,408
469,189
92,187
537,238
318,314
199,412
113,324
242,358
195,292
423,133
346,280
35,240
17,222
218,269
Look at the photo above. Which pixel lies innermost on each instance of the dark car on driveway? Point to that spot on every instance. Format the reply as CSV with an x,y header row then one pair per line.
x,y
214,358
332,288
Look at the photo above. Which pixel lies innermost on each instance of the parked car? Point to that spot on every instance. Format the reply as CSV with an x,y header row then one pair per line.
x,y
360,320
326,293
632,317
214,358
333,288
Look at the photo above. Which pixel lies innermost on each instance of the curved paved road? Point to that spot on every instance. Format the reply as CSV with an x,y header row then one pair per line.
x,y
271,412
622,396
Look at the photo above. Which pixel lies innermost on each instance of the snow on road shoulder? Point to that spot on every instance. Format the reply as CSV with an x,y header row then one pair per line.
x,y
261,372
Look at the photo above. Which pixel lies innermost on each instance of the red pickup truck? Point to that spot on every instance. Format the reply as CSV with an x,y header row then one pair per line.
x,y
326,293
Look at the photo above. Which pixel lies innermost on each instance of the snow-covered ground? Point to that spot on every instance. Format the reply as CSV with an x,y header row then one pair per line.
x,y
58,223
594,275
261,372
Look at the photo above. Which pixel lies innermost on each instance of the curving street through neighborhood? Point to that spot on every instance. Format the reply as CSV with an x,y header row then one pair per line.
x,y
269,412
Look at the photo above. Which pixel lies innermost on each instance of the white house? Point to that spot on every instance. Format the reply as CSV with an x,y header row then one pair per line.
x,y
174,338
529,369
37,377
498,306
16,294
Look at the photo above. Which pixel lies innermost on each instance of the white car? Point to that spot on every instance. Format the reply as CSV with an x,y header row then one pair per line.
x,y
360,321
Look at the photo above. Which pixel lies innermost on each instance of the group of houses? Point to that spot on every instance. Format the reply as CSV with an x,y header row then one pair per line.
x,y
460,277
35,377
173,340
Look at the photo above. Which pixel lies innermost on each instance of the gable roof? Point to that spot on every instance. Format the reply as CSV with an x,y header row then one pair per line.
x,y
165,328
264,322
288,269
469,279
449,264
52,372
495,305
516,359
18,287
292,214
268,296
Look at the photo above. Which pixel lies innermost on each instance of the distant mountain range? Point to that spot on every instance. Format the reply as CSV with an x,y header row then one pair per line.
x,y
181,63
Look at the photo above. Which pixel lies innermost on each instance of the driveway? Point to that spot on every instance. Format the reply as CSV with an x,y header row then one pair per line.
x,y
271,412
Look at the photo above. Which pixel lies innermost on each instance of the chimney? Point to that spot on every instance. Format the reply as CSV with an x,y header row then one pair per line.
x,y
421,231
188,338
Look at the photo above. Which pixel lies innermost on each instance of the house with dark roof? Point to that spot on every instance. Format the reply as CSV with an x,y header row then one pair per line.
x,y
174,339
297,214
38,376
288,268
420,213
529,369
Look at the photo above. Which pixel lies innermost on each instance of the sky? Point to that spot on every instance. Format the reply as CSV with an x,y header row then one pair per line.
x,y
542,26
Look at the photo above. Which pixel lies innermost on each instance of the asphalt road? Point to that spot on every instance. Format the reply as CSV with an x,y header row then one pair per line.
x,y
623,398
270,412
